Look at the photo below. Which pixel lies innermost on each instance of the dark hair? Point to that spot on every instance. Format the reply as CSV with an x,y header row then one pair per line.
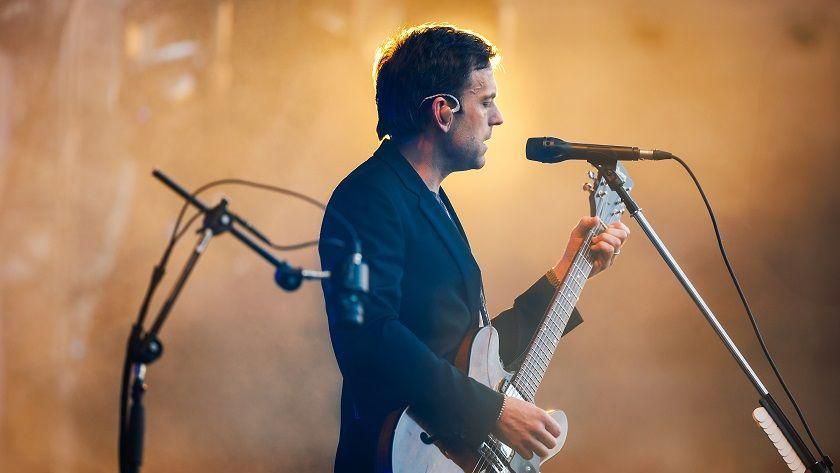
x,y
432,58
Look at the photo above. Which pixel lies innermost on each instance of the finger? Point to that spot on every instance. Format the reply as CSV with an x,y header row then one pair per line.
x,y
537,447
589,222
603,249
552,426
621,226
612,240
546,439
604,254
584,225
523,452
618,233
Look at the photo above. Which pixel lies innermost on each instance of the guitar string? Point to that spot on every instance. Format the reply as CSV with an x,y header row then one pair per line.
x,y
538,362
558,318
529,361
536,366
541,360
536,378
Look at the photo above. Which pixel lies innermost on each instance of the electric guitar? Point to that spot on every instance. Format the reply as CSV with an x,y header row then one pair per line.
x,y
405,445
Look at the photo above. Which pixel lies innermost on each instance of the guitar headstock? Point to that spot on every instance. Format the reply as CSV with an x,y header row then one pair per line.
x,y
603,201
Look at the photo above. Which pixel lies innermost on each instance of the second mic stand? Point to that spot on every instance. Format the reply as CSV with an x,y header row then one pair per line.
x,y
144,348
617,182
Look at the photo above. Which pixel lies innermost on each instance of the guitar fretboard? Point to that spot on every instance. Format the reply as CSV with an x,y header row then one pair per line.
x,y
530,374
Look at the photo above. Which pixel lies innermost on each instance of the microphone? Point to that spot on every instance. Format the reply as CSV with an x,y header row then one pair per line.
x,y
352,283
555,150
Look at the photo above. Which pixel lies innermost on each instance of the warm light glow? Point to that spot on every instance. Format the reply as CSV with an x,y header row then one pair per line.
x,y
94,95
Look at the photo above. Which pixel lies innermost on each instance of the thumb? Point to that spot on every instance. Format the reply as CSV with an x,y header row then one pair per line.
x,y
584,225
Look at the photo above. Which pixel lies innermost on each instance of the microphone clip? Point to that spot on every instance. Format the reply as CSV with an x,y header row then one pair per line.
x,y
217,219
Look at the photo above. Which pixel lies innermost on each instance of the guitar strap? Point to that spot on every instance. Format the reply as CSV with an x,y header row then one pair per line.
x,y
484,320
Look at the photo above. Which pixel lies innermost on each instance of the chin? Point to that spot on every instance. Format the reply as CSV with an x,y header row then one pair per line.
x,y
479,162
481,157
472,158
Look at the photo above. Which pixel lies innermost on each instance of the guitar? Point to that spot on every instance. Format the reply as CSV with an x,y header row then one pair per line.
x,y
406,447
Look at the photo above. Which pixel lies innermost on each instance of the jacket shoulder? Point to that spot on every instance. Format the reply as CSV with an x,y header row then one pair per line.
x,y
373,177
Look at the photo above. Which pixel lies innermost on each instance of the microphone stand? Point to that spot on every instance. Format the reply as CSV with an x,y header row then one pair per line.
x,y
617,181
144,348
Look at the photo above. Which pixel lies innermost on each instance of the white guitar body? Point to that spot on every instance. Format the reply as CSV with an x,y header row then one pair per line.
x,y
410,454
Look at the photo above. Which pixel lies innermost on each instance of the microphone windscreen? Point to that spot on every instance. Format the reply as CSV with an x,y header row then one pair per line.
x,y
544,150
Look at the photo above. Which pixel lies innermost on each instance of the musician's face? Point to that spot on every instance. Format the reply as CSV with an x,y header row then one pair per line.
x,y
474,123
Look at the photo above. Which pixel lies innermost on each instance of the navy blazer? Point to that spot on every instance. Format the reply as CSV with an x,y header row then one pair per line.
x,y
424,298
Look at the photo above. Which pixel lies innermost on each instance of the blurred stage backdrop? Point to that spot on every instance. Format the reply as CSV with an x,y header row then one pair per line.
x,y
95,94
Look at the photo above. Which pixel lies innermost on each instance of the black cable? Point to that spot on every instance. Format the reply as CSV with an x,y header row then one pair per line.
x,y
280,190
187,225
295,246
747,305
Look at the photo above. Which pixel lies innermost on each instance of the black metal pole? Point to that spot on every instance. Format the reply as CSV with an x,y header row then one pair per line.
x,y
143,350
151,336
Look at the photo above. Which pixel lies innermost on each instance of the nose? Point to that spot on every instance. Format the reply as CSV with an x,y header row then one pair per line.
x,y
496,118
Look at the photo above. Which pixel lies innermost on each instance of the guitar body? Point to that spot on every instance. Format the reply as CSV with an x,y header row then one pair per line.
x,y
402,447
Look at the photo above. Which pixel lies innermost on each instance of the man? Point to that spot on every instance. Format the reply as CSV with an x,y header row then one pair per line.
x,y
435,94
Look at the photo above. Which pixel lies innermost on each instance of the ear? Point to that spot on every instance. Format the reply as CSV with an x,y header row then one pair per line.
x,y
442,114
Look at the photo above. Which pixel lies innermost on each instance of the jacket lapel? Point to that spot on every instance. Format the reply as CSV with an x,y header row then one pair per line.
x,y
451,233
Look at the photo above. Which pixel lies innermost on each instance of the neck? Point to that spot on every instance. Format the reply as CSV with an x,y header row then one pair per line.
x,y
427,159
530,374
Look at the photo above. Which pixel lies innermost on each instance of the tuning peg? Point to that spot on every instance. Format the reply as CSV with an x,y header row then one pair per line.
x,y
588,187
591,174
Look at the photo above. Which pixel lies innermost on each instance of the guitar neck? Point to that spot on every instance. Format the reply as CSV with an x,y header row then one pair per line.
x,y
541,349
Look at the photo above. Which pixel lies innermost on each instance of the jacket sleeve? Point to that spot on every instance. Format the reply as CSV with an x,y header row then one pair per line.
x,y
384,351
517,325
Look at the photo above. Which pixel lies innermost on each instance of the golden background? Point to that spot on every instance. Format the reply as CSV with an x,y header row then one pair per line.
x,y
95,94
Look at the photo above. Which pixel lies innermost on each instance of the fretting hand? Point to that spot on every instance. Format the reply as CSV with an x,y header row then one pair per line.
x,y
605,247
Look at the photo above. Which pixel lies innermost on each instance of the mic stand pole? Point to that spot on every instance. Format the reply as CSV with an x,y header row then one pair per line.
x,y
146,348
617,182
